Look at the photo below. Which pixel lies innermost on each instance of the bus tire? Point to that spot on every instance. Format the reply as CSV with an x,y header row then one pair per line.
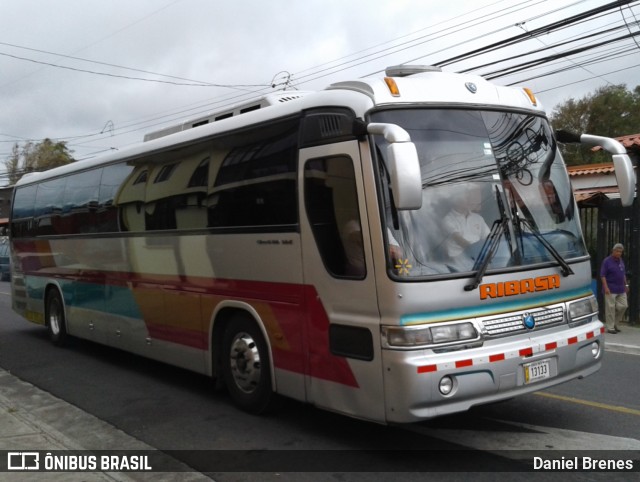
x,y
56,323
245,366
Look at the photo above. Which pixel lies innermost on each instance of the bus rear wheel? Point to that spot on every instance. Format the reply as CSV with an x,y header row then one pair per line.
x,y
245,366
56,323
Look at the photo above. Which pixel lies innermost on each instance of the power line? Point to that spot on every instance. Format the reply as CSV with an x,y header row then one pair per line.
x,y
321,71
627,24
525,65
584,80
189,83
351,64
565,22
256,93
112,34
419,42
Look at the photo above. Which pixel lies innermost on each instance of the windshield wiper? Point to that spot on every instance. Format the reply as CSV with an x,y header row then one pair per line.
x,y
486,253
490,244
566,269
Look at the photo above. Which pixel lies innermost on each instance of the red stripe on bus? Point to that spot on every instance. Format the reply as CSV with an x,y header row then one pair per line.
x,y
428,369
292,309
572,340
182,336
551,346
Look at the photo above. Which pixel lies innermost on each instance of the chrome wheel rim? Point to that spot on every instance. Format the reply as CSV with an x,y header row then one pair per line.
x,y
244,359
54,318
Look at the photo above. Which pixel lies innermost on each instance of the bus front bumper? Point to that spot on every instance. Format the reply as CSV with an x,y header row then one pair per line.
x,y
421,384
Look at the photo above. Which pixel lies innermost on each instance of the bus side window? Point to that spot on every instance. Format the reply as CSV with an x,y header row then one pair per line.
x,y
80,203
256,185
112,178
332,207
48,206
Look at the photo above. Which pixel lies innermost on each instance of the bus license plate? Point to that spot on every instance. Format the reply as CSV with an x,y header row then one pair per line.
x,y
537,371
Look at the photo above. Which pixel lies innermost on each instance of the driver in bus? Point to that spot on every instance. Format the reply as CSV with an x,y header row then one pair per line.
x,y
463,226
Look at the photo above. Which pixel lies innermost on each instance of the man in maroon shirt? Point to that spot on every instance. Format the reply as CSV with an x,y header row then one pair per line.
x,y
614,286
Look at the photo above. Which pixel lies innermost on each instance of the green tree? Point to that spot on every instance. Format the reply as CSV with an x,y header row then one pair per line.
x,y
610,111
35,157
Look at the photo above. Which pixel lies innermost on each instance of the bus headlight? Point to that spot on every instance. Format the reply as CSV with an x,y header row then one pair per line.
x,y
406,337
453,333
422,336
583,311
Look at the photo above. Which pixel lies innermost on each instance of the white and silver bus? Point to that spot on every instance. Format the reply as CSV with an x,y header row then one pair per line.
x,y
391,248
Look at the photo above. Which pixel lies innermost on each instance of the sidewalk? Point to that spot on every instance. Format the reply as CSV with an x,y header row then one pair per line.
x,y
627,341
32,420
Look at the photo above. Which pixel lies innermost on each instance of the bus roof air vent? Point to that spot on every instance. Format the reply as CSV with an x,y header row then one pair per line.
x,y
327,125
406,70
330,126
287,98
256,104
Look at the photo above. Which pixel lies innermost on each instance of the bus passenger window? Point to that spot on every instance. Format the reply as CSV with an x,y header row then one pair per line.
x,y
48,207
256,185
112,178
80,203
22,225
332,207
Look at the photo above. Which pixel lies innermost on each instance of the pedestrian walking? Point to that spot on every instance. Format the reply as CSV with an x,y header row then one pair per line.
x,y
614,286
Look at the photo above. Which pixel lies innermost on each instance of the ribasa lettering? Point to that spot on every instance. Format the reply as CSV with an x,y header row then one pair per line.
x,y
519,287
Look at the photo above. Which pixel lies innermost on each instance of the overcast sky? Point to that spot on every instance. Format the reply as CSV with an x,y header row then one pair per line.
x,y
100,74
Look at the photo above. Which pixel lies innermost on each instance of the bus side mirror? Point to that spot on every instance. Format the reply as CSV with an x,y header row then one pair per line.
x,y
625,177
403,164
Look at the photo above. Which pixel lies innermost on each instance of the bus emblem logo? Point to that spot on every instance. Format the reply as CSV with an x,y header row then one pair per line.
x,y
529,321
471,87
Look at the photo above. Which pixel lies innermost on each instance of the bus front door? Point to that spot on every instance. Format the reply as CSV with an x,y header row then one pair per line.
x,y
343,356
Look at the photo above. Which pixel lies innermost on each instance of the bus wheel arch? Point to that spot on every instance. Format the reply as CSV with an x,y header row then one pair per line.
x,y
242,359
55,318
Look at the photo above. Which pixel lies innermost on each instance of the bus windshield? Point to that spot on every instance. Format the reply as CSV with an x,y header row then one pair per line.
x,y
495,195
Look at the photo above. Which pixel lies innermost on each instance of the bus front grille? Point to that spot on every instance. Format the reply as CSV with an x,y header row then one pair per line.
x,y
512,324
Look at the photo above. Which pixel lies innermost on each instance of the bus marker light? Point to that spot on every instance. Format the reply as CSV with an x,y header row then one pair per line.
x,y
393,87
531,96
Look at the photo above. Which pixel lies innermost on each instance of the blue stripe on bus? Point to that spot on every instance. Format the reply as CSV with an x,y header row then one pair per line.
x,y
112,299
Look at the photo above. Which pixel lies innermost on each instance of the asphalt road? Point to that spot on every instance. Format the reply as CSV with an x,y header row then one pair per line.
x,y
172,409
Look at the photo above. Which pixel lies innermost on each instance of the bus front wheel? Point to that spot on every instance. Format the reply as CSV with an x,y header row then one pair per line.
x,y
56,323
245,366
